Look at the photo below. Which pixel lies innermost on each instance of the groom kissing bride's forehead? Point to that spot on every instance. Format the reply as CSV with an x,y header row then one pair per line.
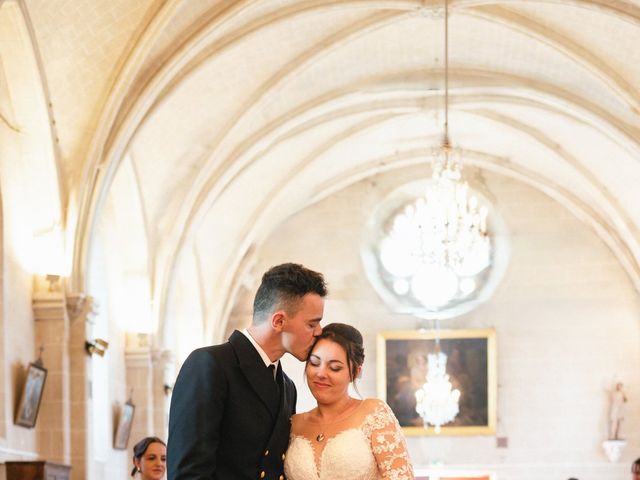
x,y
232,403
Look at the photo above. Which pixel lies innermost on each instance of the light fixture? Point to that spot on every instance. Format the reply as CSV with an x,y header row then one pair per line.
x,y
436,401
98,347
441,238
53,281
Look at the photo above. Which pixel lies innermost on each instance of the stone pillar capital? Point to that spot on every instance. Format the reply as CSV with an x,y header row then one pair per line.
x,y
81,305
48,306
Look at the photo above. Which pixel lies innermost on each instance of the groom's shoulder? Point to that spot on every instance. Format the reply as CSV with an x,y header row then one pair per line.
x,y
210,353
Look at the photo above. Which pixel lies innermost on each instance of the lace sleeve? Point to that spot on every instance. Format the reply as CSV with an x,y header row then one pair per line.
x,y
387,443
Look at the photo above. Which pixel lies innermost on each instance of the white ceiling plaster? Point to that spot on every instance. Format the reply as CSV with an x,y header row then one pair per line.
x,y
238,114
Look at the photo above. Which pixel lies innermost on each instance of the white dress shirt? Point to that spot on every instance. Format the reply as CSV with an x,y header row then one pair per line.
x,y
265,358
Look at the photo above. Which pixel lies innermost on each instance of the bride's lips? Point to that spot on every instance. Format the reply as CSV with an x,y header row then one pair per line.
x,y
321,385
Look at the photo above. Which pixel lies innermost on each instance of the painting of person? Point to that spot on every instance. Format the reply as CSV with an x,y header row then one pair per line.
x,y
31,395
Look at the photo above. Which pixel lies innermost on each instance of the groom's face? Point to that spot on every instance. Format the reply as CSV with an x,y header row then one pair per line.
x,y
302,325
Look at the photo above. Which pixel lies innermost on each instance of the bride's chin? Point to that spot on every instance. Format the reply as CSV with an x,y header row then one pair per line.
x,y
321,397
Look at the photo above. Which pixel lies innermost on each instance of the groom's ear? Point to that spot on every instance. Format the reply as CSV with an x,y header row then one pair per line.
x,y
277,320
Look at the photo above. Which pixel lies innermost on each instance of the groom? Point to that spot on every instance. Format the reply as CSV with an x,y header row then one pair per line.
x,y
232,403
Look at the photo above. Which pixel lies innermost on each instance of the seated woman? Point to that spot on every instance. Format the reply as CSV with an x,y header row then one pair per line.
x,y
343,437
149,458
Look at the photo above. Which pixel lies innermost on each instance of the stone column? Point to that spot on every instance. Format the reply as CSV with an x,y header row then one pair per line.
x,y
161,393
146,374
80,308
139,365
52,336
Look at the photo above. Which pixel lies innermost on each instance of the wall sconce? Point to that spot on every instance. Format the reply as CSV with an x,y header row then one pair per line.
x,y
54,282
99,347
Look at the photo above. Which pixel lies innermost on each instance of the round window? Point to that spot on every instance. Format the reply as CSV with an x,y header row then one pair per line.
x,y
435,251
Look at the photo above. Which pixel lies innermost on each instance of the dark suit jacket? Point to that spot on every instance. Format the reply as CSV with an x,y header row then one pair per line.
x,y
229,420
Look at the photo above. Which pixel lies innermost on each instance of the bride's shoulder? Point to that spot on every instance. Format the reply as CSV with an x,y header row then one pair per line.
x,y
370,405
373,403
377,415
376,408
298,418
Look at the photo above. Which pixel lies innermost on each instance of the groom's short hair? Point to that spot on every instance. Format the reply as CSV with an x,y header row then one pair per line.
x,y
282,287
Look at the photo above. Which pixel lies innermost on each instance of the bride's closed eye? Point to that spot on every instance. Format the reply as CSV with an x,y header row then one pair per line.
x,y
334,366
314,361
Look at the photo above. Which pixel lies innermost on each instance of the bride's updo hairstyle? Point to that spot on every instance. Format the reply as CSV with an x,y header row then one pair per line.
x,y
350,339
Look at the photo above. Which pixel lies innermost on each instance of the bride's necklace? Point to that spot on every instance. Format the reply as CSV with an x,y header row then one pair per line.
x,y
347,410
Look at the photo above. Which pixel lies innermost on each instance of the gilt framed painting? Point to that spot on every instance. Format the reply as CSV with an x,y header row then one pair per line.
x,y
404,361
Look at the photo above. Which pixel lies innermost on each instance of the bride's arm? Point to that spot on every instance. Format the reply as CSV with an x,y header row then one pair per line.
x,y
387,443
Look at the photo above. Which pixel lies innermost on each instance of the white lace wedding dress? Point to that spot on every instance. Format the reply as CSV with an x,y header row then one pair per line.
x,y
372,448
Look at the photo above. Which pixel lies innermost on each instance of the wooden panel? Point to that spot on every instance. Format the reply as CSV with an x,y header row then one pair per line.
x,y
38,470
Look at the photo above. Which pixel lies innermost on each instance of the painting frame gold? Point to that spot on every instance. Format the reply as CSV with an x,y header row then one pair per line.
x,y
480,377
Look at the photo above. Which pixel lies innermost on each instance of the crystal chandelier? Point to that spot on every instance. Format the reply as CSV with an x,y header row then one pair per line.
x,y
436,401
442,235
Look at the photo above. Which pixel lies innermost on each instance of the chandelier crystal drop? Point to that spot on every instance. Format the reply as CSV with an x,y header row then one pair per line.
x,y
436,400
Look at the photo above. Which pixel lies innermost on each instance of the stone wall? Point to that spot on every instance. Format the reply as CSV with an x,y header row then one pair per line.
x,y
565,314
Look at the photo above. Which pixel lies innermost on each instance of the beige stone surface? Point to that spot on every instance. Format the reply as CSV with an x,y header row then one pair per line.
x,y
565,316
163,153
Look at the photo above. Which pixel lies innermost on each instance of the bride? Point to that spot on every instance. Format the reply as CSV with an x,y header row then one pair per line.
x,y
343,437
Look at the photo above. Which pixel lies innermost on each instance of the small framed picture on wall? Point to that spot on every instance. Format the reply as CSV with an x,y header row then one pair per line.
x,y
123,429
29,405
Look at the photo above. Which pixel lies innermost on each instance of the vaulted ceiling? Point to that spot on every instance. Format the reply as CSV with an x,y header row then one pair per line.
x,y
233,115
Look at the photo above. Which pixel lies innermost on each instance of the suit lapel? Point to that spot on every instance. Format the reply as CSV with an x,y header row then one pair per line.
x,y
289,394
257,374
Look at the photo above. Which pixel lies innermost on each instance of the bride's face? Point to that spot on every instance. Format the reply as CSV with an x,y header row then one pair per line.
x,y
328,372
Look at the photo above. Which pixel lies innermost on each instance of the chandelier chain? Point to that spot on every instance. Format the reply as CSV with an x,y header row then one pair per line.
x,y
446,143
